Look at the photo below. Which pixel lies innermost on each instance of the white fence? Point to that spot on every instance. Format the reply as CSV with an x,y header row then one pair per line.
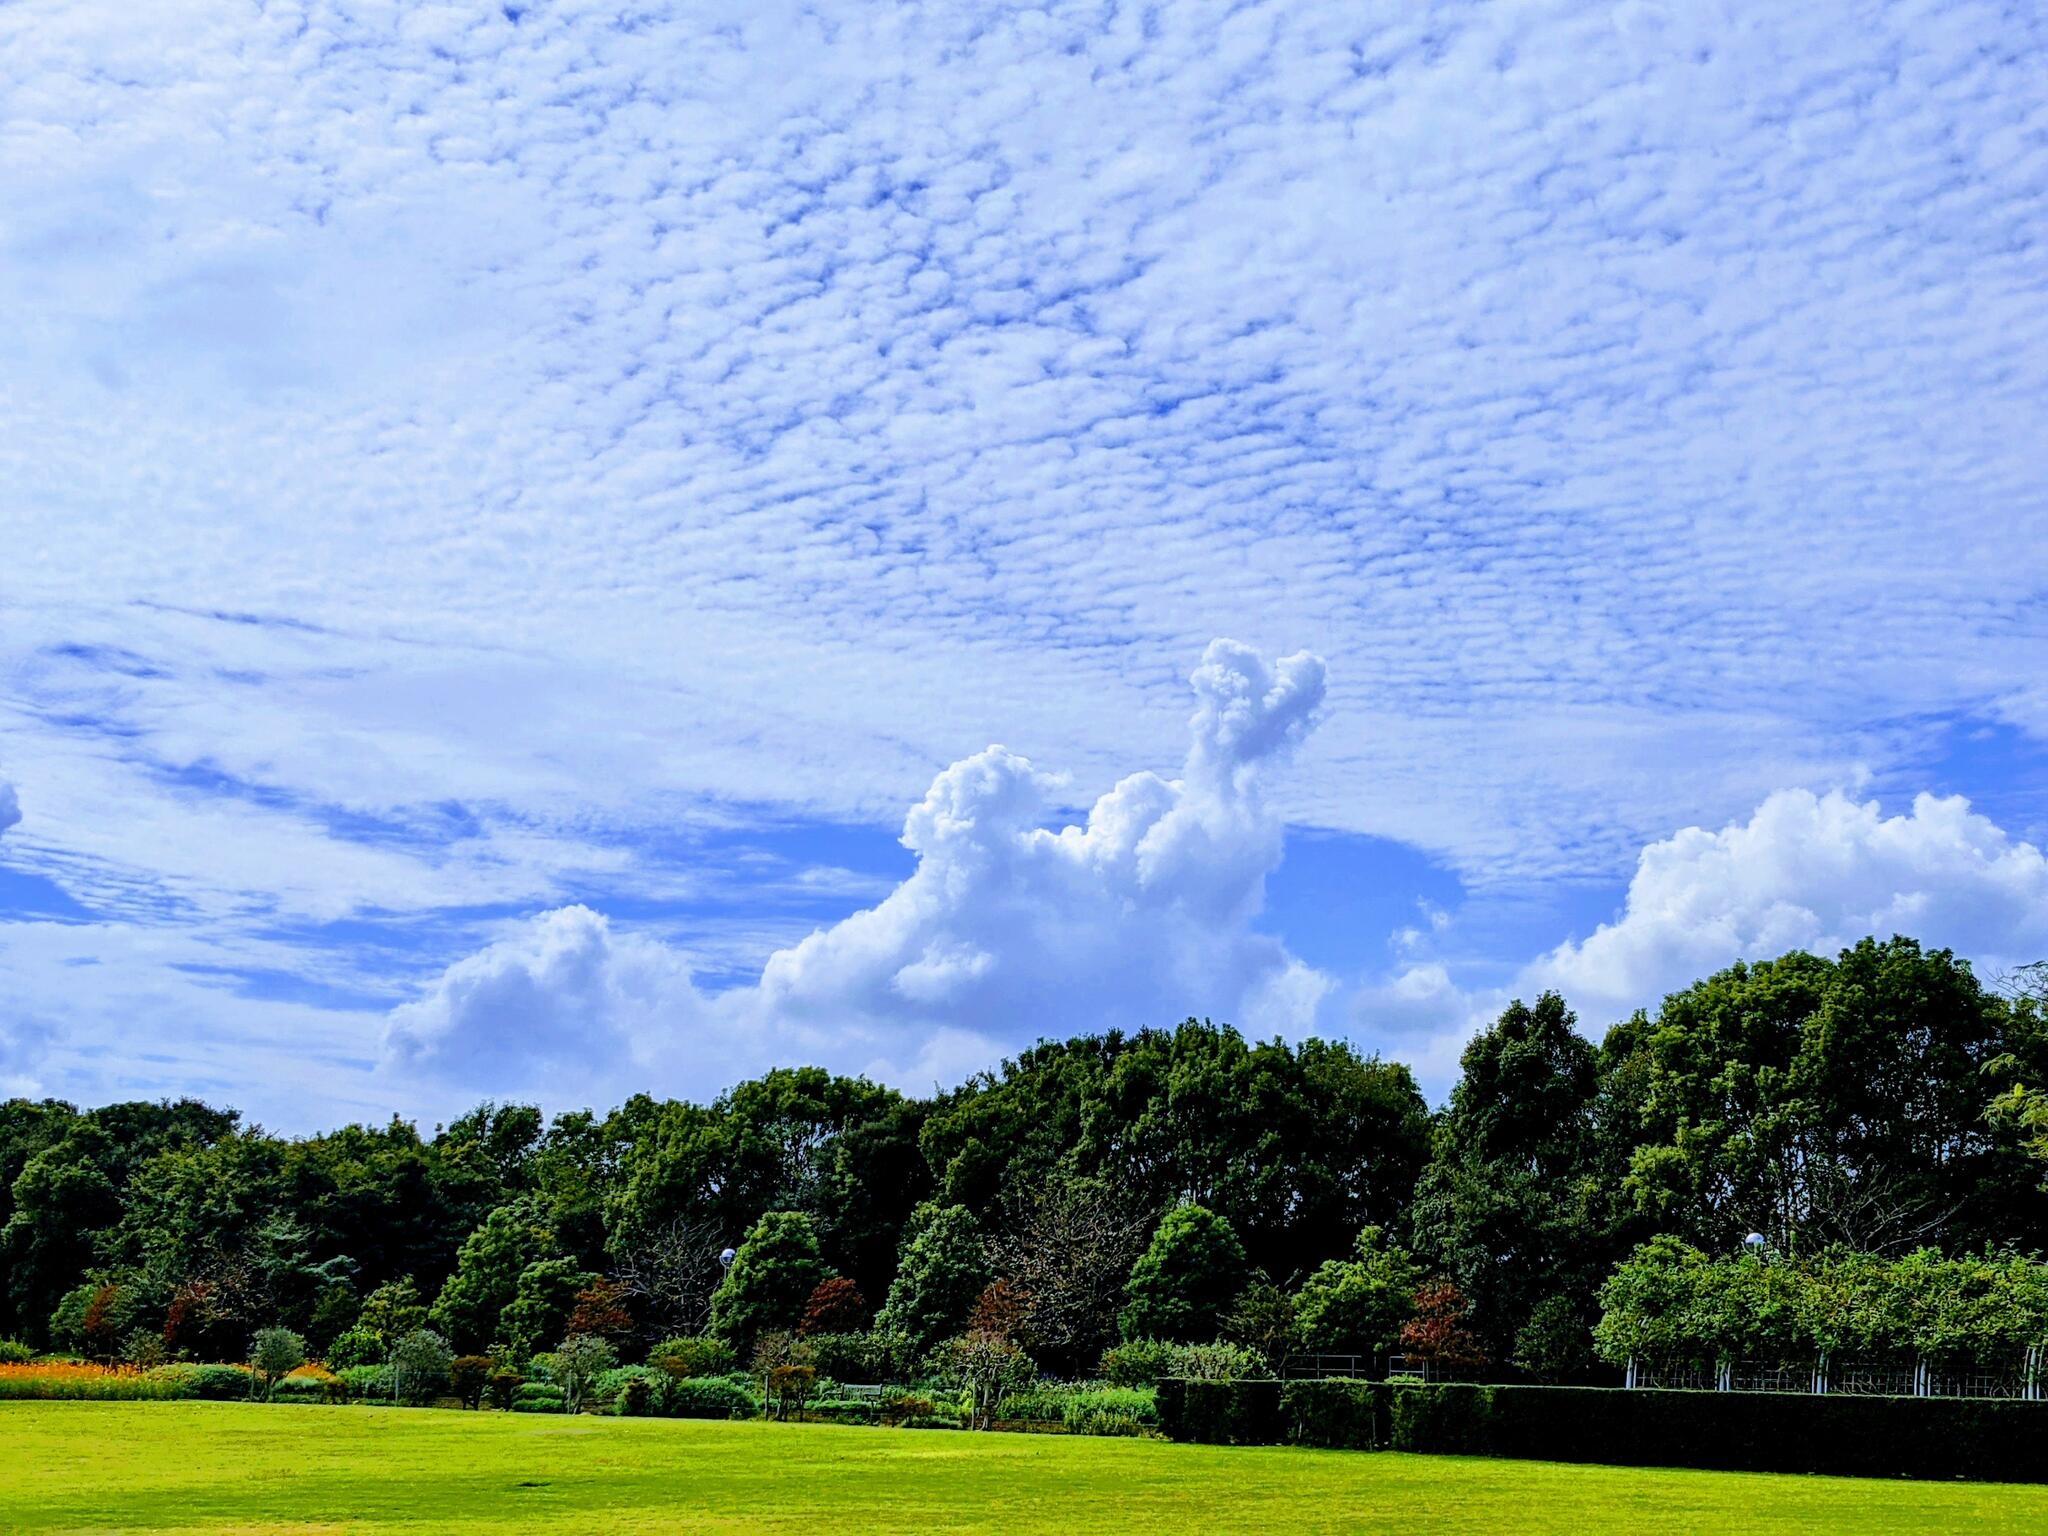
x,y
2024,1376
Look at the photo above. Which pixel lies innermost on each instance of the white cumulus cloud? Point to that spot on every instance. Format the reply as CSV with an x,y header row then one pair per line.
x,y
1814,872
561,1004
1006,930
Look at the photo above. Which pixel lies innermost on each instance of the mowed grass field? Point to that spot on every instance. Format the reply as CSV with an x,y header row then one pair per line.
x,y
244,1468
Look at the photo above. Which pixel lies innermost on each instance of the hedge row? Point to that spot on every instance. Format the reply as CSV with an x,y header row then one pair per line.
x,y
1926,1437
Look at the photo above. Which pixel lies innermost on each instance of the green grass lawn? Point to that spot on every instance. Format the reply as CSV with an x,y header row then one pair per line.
x,y
237,1467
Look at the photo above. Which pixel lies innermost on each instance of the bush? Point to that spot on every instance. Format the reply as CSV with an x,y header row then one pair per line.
x,y
903,1403
1110,1410
852,1356
1033,1405
468,1375
1220,1362
310,1385
14,1352
365,1382
1140,1363
503,1383
212,1383
358,1346
694,1357
711,1397
612,1385
538,1397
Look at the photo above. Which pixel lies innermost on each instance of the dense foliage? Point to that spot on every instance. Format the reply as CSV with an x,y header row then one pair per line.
x,y
1169,1190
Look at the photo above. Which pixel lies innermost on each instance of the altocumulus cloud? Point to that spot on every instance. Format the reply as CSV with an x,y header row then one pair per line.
x,y
1005,930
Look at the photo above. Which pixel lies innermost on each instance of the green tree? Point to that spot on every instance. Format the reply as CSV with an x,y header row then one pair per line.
x,y
578,1363
944,1266
392,1311
543,1298
275,1353
1186,1280
1356,1306
420,1363
772,1276
1833,1101
1519,1199
487,1274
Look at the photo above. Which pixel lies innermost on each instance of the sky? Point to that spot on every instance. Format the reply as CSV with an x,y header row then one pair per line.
x,y
555,549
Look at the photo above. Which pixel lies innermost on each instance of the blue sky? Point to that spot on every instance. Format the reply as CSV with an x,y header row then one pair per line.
x,y
507,514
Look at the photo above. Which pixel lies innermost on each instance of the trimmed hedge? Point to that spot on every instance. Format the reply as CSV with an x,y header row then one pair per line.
x,y
1222,1412
1987,1440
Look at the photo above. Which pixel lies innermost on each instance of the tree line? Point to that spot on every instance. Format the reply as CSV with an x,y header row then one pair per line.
x,y
1107,1191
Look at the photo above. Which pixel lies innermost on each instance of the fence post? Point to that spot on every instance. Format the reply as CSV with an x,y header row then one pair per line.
x,y
1920,1382
1724,1377
1628,1381
1820,1376
2030,1388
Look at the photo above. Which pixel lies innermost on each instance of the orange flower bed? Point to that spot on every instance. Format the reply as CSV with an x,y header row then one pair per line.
x,y
90,1383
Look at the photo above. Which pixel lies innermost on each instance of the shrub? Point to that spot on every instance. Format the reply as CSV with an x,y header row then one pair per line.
x,y
468,1375
903,1403
637,1399
1220,1362
1140,1362
310,1384
503,1383
212,1383
1110,1410
852,1356
14,1352
694,1357
610,1386
711,1397
538,1397
365,1383
1033,1405
358,1346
